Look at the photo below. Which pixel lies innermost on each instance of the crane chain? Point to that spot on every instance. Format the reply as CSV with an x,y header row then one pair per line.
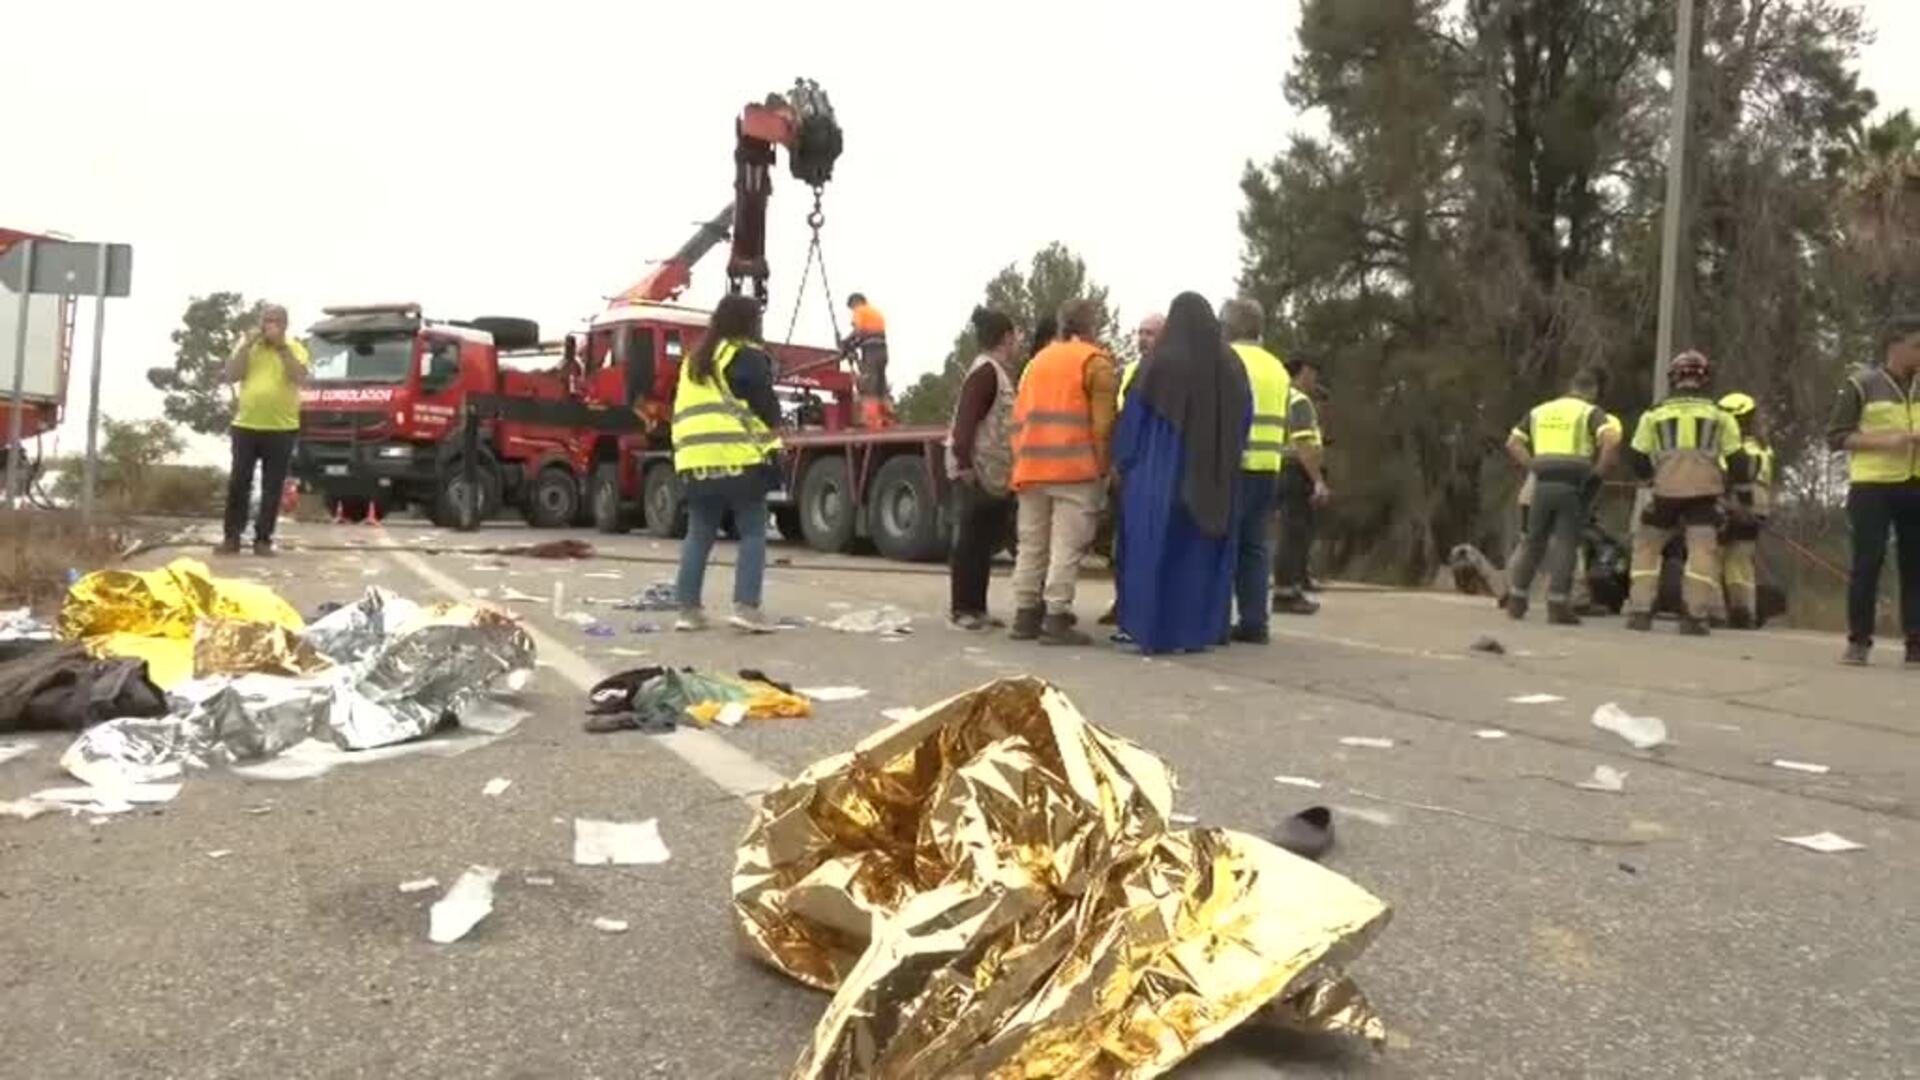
x,y
815,254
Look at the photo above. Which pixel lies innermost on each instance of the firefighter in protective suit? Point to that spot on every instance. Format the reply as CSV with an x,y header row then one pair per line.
x,y
1686,451
1748,510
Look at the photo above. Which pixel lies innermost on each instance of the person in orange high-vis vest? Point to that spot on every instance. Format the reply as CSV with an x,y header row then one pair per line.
x,y
1062,423
867,341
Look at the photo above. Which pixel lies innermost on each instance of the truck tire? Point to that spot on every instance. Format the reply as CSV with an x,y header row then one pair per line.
x,y
903,513
665,502
449,500
553,499
827,506
787,519
608,515
508,332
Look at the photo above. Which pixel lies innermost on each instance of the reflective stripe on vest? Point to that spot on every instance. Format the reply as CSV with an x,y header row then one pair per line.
x,y
1884,407
1126,381
1053,418
712,429
1560,432
1760,488
1267,378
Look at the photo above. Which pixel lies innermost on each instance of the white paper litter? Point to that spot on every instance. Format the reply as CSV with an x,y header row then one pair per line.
x,y
110,795
1365,813
582,619
1826,843
610,926
559,598
622,650
1800,766
899,713
11,750
420,885
1367,741
491,716
469,901
1490,733
604,575
538,879
834,693
1605,778
496,785
1298,781
1182,819
1644,732
731,714
221,853
1536,699
514,596
24,809
885,619
618,843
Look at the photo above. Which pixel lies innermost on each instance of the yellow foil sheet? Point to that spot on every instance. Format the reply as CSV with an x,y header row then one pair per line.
x,y
151,614
240,647
991,889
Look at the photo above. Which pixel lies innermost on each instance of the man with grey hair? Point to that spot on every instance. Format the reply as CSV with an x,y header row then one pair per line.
x,y
1258,488
270,369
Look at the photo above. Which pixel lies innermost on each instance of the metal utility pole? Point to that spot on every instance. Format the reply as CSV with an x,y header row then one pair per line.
x,y
93,389
19,398
1674,228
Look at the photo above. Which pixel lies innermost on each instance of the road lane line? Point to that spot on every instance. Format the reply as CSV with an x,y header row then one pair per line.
x,y
731,769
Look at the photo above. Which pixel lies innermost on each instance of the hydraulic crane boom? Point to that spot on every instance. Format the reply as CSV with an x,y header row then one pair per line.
x,y
800,120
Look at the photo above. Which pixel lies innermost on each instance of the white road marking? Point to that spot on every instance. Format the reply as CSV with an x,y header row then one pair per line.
x,y
731,769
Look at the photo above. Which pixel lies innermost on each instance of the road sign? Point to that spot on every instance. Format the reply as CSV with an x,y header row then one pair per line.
x,y
64,268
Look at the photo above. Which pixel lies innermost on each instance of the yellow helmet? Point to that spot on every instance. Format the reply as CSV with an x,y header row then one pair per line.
x,y
1738,404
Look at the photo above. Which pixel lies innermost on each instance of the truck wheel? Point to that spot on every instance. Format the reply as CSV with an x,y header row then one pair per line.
x,y
787,519
608,515
666,503
827,507
903,514
452,497
552,499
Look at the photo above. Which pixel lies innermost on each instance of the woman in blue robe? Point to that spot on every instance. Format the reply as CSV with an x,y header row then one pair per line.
x,y
1177,449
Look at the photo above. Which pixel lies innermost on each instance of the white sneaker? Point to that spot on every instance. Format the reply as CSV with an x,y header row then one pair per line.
x,y
691,620
751,620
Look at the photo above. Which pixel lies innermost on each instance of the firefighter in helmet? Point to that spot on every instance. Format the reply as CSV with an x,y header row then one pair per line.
x,y
1747,510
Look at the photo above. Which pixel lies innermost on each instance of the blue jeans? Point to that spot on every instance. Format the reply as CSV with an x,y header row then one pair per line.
x,y
707,505
1255,496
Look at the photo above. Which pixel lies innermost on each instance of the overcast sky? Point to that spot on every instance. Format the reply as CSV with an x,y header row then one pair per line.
x,y
533,160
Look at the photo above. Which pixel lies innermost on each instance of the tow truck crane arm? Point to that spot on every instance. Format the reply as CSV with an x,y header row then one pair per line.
x,y
802,121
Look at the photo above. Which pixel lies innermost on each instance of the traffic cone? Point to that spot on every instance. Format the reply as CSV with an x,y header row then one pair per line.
x,y
339,511
373,512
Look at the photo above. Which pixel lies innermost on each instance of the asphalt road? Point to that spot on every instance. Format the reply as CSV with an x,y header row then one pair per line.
x,y
1539,929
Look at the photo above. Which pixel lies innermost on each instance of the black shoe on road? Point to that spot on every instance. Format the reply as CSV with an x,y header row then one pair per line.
x,y
1858,652
1251,635
1562,615
263,547
1516,607
229,546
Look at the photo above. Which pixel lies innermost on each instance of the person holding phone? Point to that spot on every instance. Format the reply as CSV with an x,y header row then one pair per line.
x,y
269,369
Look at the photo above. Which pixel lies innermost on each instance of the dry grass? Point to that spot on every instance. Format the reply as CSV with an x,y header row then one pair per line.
x,y
38,547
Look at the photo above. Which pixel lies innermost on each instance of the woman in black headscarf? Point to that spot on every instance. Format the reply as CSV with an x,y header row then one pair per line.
x,y
1177,449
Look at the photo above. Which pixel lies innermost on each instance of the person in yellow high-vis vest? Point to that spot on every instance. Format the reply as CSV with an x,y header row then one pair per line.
x,y
1747,514
1258,491
1877,421
1563,444
724,412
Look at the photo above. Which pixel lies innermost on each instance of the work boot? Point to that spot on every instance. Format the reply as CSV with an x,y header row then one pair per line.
x,y
1858,651
229,546
1294,605
1640,620
1692,627
1026,624
1561,614
1251,635
1111,616
1516,607
1740,619
263,547
1058,629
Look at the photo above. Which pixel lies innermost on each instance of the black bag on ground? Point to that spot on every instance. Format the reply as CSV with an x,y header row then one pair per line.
x,y
61,688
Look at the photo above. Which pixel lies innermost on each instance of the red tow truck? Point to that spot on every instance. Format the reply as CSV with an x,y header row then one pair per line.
x,y
45,365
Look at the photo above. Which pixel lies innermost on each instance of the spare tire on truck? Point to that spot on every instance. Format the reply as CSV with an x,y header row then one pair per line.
x,y
508,332
827,505
903,512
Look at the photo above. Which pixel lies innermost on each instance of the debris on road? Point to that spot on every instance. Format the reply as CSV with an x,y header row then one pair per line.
x,y
731,714
1826,843
1308,834
1367,741
1298,781
618,843
1535,699
466,903
514,596
420,885
603,575
900,713
538,880
20,624
1605,778
11,750
1379,818
108,799
891,873
219,853
1487,645
151,615
24,809
820,693
885,619
59,687
656,698
1511,826
610,926
1183,819
496,786
1643,732
659,596
1800,766
1490,733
